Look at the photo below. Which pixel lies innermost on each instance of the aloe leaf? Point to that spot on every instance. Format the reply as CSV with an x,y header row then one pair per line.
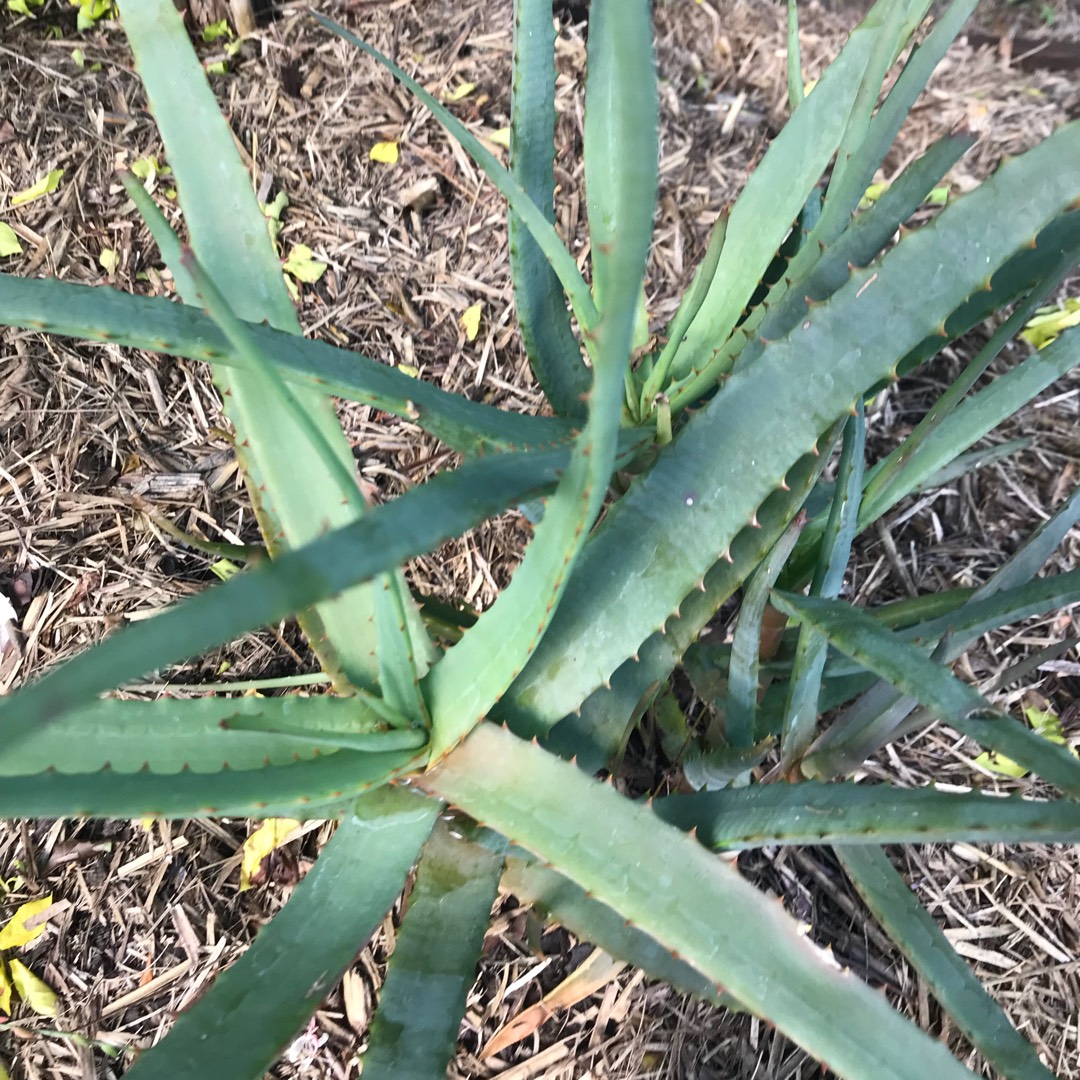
x,y
743,672
396,618
1025,270
620,62
595,734
1025,563
868,139
794,57
193,280
891,471
800,716
398,738
961,706
570,906
691,902
199,735
686,313
929,951
400,666
993,608
553,351
775,193
631,577
976,416
898,23
232,1033
814,274
383,538
539,227
845,813
876,717
101,313
475,673
414,1032
317,788
293,498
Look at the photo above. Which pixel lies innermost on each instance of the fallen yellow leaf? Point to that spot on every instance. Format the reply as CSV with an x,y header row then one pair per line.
x,y
110,260
45,186
271,834
303,266
9,242
501,137
15,933
460,91
39,997
1049,322
470,321
5,990
386,153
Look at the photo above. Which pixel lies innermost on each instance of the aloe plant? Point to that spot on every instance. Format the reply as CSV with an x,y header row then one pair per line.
x,y
724,431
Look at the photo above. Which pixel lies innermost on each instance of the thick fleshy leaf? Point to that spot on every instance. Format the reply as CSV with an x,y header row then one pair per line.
x,y
234,1033
857,635
691,902
414,523
949,977
553,351
847,813
776,192
414,1033
294,498
200,735
475,673
158,325
707,488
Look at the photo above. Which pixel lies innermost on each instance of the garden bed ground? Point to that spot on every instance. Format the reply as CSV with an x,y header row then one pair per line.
x,y
99,444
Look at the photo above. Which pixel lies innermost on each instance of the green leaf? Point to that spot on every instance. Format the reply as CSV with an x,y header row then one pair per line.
x,y
293,499
814,275
794,58
553,351
905,465
540,228
433,966
570,906
1044,723
233,1033
475,673
318,788
671,888
743,673
857,635
775,193
103,314
595,735
702,486
385,537
846,813
929,951
801,711
199,735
